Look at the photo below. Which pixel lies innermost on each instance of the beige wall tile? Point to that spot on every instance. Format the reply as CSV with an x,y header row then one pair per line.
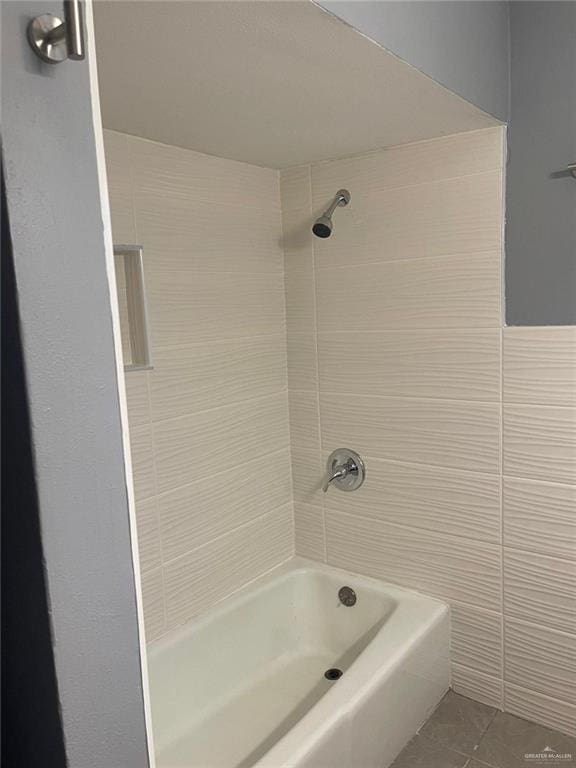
x,y
540,365
191,447
300,302
427,299
309,531
421,162
527,703
295,187
408,306
216,302
446,292
453,216
307,475
197,580
297,240
136,383
448,567
196,177
119,176
182,238
411,279
447,364
153,603
212,306
540,517
201,511
405,288
449,433
142,462
148,535
435,499
304,429
477,639
116,149
540,442
302,362
541,659
196,377
540,589
123,229
478,686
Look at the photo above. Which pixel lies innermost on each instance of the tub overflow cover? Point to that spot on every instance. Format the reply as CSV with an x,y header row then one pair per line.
x,y
347,596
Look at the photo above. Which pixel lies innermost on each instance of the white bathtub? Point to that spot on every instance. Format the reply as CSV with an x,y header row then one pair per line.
x,y
244,685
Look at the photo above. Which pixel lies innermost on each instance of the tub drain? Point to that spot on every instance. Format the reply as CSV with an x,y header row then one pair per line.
x,y
333,674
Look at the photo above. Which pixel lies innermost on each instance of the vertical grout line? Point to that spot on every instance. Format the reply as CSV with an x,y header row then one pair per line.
x,y
503,160
503,168
317,356
502,589
285,299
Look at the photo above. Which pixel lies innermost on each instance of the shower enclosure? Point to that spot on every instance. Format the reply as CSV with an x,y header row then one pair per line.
x,y
296,295
299,435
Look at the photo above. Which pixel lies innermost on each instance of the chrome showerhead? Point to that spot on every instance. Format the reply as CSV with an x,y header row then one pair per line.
x,y
323,225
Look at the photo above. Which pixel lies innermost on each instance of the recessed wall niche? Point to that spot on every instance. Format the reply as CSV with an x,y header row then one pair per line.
x,y
130,285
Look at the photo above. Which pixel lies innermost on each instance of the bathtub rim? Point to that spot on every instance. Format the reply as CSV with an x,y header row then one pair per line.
x,y
369,673
284,570
414,616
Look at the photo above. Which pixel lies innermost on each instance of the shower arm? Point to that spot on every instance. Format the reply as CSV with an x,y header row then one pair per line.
x,y
339,199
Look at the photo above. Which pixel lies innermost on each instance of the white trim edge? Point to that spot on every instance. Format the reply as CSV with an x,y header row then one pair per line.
x,y
109,249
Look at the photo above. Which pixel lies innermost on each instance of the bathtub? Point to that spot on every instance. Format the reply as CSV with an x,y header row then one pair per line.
x,y
244,684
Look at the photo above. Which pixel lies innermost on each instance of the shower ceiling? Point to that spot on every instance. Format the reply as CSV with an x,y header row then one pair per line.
x,y
270,83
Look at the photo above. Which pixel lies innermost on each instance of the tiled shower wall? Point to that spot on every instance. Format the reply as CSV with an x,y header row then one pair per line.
x,y
395,349
539,524
209,423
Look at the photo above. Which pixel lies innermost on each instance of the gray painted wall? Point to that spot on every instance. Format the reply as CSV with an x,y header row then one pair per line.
x,y
462,44
541,207
53,200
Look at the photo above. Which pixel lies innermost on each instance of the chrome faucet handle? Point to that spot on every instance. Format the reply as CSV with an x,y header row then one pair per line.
x,y
338,474
345,469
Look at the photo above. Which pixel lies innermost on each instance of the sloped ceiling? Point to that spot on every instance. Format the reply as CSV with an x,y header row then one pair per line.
x,y
271,83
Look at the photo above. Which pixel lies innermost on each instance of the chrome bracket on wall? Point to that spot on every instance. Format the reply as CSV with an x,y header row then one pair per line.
x,y
53,39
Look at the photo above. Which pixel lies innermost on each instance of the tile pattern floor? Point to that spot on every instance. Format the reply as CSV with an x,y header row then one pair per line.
x,y
462,733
